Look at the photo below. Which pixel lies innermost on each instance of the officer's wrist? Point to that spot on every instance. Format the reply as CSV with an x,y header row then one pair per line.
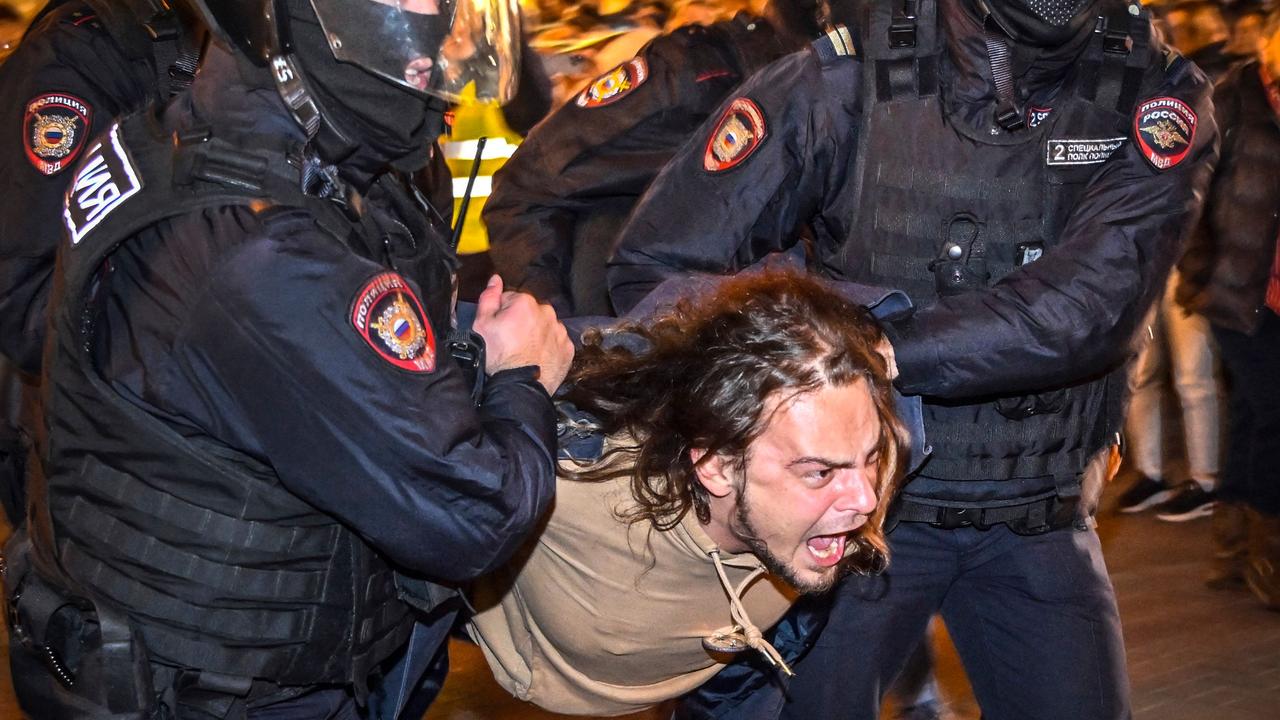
x,y
524,375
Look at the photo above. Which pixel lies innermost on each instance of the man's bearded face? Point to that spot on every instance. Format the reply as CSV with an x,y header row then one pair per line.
x,y
809,484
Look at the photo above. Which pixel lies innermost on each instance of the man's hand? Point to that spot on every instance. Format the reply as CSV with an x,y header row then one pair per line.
x,y
517,332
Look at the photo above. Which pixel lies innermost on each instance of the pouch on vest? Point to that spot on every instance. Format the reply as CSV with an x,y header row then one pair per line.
x,y
69,657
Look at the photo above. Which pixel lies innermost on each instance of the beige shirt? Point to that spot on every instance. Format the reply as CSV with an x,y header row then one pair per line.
x,y
600,617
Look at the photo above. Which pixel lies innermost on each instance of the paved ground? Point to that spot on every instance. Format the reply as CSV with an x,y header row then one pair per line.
x,y
1194,654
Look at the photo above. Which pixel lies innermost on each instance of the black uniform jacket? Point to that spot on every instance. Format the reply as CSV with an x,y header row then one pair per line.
x,y
61,87
1068,316
558,203
241,327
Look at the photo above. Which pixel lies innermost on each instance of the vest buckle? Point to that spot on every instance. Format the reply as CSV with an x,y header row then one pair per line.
x,y
902,27
1010,119
950,518
1116,43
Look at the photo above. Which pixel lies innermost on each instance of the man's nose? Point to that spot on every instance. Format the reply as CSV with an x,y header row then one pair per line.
x,y
856,492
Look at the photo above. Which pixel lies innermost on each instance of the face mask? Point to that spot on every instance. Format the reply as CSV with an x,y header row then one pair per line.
x,y
388,122
1042,23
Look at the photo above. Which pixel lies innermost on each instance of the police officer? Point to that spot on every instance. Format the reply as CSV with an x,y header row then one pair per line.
x,y
80,64
253,412
559,202
1026,172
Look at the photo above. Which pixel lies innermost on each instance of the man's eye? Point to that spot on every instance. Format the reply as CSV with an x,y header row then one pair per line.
x,y
822,475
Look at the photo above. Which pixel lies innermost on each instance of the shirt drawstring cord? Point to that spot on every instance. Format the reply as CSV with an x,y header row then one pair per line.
x,y
755,639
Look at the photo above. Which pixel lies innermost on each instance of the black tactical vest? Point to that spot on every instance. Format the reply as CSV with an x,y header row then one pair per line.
x,y
937,207
218,566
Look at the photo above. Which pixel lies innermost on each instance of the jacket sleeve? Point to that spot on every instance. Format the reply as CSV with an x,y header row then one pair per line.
x,y
692,219
66,69
1195,267
1072,313
585,154
271,362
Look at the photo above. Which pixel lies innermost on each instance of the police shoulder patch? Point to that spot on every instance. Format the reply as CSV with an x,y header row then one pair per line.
x,y
1164,128
55,128
106,178
740,130
615,84
387,314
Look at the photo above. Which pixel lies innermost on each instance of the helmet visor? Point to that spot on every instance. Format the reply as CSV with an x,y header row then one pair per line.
x,y
434,47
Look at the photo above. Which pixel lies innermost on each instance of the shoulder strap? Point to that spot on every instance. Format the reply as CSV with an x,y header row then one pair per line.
x,y
901,45
1117,57
136,175
135,23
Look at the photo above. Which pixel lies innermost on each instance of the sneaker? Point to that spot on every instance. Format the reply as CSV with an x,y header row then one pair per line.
x,y
1189,502
1143,494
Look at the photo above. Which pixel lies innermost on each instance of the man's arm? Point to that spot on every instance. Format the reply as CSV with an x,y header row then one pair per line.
x,y
695,219
384,438
607,142
50,109
1072,313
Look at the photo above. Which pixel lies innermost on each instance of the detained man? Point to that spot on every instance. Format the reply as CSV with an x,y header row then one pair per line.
x,y
749,446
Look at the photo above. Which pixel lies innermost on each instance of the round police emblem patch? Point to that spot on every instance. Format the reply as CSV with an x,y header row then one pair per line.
x,y
739,132
389,317
615,84
1165,128
55,129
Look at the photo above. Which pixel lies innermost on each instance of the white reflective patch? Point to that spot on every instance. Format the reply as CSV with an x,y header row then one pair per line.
x,y
495,148
105,180
482,188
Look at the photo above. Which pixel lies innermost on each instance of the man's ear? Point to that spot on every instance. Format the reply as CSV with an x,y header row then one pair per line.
x,y
715,472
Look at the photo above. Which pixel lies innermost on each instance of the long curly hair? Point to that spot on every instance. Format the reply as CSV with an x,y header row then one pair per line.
x,y
705,378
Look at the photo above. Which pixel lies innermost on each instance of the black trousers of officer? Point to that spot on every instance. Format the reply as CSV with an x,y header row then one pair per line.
x,y
1033,617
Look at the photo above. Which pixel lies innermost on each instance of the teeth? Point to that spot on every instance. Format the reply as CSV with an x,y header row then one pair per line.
x,y
829,551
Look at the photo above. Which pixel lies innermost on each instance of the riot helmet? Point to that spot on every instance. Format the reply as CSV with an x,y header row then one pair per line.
x,y
1041,23
799,21
429,47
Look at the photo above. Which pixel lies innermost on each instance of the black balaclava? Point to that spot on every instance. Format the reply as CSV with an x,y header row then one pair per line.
x,y
369,122
1036,70
1042,23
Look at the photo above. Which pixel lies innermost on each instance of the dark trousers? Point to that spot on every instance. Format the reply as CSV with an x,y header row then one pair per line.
x,y
1033,617
1251,467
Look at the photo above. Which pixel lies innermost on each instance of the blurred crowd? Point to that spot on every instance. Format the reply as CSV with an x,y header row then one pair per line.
x,y
579,41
